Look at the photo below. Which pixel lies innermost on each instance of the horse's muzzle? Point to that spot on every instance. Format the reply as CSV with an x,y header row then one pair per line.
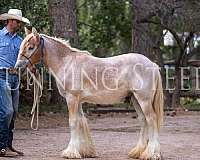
x,y
21,65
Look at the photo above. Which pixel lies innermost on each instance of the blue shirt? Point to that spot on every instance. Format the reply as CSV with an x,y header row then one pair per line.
x,y
9,48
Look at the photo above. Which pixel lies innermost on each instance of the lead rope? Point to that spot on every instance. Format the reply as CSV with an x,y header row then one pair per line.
x,y
37,87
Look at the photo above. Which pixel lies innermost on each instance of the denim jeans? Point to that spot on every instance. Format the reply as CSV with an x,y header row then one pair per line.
x,y
9,100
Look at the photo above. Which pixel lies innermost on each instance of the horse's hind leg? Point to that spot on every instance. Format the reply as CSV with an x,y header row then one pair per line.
x,y
152,151
143,139
80,145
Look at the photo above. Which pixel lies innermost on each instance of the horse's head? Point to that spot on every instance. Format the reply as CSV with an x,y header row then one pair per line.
x,y
30,50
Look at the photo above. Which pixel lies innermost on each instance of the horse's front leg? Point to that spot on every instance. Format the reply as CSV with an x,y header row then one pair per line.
x,y
80,145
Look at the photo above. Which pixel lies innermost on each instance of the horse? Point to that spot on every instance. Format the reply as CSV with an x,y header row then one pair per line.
x,y
81,77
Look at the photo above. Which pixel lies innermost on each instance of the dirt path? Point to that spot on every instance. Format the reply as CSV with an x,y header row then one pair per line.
x,y
114,135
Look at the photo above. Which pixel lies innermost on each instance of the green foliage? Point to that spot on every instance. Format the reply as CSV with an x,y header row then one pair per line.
x,y
105,25
190,103
102,25
35,11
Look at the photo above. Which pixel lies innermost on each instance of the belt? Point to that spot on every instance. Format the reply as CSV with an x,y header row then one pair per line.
x,y
9,70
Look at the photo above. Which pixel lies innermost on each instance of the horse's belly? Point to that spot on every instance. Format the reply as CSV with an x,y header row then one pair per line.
x,y
105,97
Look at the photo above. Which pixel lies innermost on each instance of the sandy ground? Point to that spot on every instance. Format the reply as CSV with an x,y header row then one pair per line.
x,y
114,135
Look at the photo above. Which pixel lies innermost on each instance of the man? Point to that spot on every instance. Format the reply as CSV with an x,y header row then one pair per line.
x,y
9,92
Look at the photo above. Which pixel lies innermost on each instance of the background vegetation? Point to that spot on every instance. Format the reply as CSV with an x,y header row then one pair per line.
x,y
111,27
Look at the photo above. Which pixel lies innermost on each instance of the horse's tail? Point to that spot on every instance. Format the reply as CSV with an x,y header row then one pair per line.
x,y
158,101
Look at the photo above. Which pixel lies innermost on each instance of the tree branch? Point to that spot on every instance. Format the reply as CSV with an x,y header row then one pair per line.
x,y
188,39
183,56
193,52
178,40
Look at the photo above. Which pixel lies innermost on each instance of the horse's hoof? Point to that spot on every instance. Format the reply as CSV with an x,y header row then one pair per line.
x,y
135,152
71,154
90,153
89,156
156,156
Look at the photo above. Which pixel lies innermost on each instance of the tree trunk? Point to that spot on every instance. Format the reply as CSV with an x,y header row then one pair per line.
x,y
176,93
64,22
141,41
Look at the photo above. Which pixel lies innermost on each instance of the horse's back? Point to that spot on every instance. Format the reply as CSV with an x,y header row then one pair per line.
x,y
127,58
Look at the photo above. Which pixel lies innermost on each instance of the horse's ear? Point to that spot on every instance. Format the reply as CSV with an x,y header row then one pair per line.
x,y
36,34
34,31
27,31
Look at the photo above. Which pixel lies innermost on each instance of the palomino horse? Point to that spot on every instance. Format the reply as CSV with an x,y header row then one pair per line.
x,y
82,77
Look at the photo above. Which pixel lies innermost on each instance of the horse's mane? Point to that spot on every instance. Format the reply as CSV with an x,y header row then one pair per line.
x,y
65,43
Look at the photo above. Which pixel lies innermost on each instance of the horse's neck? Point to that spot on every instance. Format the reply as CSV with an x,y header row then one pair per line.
x,y
55,54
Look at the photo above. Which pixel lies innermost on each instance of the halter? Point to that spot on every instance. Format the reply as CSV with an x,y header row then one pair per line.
x,y
41,47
